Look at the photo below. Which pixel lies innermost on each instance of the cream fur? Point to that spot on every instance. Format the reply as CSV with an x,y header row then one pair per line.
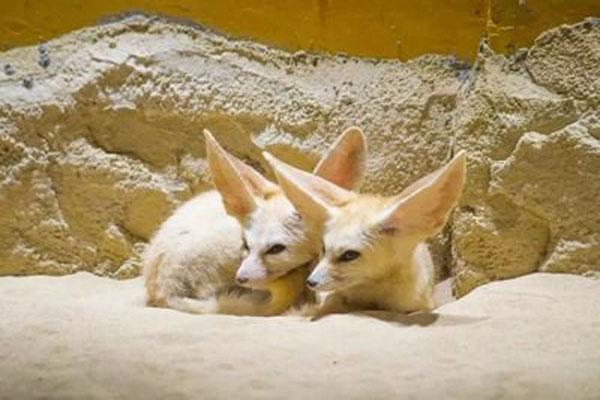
x,y
191,263
394,270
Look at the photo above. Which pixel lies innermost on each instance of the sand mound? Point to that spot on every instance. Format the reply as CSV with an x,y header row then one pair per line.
x,y
82,336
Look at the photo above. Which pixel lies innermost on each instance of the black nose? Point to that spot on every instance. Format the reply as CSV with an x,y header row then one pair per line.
x,y
311,283
241,281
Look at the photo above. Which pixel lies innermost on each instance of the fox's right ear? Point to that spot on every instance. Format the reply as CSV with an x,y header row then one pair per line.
x,y
345,162
424,207
239,185
312,196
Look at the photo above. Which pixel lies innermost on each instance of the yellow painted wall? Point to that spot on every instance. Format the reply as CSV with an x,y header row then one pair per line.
x,y
374,28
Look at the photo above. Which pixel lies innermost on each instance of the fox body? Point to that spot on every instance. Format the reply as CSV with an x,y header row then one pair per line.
x,y
194,257
242,249
373,251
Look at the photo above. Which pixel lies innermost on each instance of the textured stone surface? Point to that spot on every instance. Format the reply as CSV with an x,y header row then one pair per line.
x,y
531,127
107,140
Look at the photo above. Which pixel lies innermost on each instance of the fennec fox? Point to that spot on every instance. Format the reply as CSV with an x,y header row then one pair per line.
x,y
247,226
373,254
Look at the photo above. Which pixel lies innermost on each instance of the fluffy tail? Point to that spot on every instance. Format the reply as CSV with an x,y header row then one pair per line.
x,y
156,297
280,296
193,306
277,298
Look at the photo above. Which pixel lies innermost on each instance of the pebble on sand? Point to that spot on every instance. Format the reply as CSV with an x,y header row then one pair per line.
x,y
44,60
8,69
28,82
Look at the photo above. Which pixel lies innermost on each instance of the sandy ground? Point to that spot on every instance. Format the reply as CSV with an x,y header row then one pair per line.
x,y
86,337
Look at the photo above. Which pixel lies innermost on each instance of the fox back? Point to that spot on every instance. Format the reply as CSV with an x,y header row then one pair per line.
x,y
207,257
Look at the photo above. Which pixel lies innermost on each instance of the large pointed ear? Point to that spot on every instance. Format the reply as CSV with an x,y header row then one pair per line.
x,y
345,162
423,208
238,199
258,185
312,196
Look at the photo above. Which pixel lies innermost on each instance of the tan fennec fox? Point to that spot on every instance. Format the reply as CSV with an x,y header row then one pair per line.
x,y
190,264
374,255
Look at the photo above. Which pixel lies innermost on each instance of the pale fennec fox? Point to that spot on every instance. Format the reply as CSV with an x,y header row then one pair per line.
x,y
244,234
373,250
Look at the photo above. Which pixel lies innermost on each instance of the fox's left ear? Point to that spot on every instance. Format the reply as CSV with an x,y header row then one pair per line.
x,y
423,208
312,196
345,162
240,186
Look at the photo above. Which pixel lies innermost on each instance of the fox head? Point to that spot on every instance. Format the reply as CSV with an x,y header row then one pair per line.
x,y
276,239
365,236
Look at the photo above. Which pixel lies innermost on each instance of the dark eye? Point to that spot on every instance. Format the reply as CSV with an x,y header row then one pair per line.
x,y
275,249
348,255
245,245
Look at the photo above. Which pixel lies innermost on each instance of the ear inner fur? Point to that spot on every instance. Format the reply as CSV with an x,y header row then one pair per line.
x,y
237,198
304,203
257,184
310,194
344,162
426,205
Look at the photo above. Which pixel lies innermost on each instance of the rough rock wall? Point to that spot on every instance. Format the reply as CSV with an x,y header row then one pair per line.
x,y
97,147
531,126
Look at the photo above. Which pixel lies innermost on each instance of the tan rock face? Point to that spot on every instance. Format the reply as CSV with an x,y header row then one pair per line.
x,y
531,127
107,141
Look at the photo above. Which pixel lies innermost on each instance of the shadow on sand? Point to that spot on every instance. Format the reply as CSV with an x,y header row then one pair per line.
x,y
423,319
